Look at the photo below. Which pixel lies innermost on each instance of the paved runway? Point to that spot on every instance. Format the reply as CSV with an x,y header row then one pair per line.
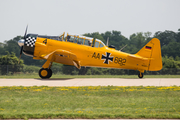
x,y
103,119
91,82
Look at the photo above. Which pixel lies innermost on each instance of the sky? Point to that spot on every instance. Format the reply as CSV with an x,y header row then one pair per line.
x,y
53,17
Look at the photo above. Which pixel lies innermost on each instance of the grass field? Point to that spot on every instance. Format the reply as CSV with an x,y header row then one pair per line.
x,y
90,102
35,75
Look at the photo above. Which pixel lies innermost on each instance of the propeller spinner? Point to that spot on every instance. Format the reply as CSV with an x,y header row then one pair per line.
x,y
21,43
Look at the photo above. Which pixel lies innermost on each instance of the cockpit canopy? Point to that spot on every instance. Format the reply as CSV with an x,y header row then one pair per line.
x,y
77,39
83,40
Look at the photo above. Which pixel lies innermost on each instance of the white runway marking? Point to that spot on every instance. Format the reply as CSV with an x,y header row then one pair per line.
x,y
91,82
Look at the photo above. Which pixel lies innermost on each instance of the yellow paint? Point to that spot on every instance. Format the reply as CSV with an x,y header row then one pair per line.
x,y
44,73
79,52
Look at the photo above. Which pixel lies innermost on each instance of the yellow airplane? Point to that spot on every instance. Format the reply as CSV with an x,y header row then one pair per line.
x,y
77,50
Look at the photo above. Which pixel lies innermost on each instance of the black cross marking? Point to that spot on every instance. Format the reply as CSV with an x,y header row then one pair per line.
x,y
107,58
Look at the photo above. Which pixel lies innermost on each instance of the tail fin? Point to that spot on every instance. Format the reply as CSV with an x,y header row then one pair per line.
x,y
152,50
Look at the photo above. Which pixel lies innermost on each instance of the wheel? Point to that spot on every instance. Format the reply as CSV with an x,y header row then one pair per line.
x,y
50,73
140,75
45,73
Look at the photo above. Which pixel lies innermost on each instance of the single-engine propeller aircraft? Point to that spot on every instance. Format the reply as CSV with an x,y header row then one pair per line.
x,y
77,50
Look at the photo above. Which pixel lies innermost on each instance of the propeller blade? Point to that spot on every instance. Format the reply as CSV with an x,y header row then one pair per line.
x,y
20,54
21,50
25,32
20,43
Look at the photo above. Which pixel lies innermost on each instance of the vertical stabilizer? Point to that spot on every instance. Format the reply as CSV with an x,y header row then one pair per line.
x,y
152,51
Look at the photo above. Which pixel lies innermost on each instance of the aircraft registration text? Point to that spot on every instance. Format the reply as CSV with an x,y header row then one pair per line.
x,y
107,58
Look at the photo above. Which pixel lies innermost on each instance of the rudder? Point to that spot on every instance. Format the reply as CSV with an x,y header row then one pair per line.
x,y
152,51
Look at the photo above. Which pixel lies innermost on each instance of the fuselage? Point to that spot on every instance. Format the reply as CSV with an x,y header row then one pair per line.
x,y
89,56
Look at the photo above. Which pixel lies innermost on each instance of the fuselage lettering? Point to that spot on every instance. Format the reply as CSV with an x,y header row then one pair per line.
x,y
120,61
45,41
96,56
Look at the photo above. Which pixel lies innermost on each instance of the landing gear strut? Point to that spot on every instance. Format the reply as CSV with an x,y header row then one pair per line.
x,y
140,75
45,73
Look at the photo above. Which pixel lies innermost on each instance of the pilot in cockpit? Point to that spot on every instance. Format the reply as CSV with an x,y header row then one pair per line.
x,y
89,43
68,38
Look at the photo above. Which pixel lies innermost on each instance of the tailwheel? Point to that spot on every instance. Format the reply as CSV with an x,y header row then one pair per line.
x,y
45,73
140,75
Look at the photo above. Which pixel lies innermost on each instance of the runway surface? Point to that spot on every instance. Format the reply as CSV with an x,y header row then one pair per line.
x,y
103,119
91,82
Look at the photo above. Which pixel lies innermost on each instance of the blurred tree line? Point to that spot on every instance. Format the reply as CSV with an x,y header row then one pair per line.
x,y
170,42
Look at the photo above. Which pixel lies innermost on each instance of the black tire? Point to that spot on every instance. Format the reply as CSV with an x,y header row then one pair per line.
x,y
50,73
140,76
45,73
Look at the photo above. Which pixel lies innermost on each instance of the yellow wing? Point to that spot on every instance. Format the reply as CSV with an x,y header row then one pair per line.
x,y
63,56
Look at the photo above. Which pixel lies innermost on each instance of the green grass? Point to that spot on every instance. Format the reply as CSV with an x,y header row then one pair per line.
x,y
89,102
35,75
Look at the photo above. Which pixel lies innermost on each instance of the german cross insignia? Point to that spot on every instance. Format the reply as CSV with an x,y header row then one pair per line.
x,y
107,58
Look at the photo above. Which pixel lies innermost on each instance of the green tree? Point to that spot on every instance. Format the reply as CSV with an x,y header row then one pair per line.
x,y
9,63
1,48
138,39
31,69
177,58
115,38
57,68
12,46
68,69
169,62
166,37
147,36
178,36
95,35
172,49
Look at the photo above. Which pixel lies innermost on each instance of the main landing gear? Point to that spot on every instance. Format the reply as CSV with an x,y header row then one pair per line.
x,y
45,73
